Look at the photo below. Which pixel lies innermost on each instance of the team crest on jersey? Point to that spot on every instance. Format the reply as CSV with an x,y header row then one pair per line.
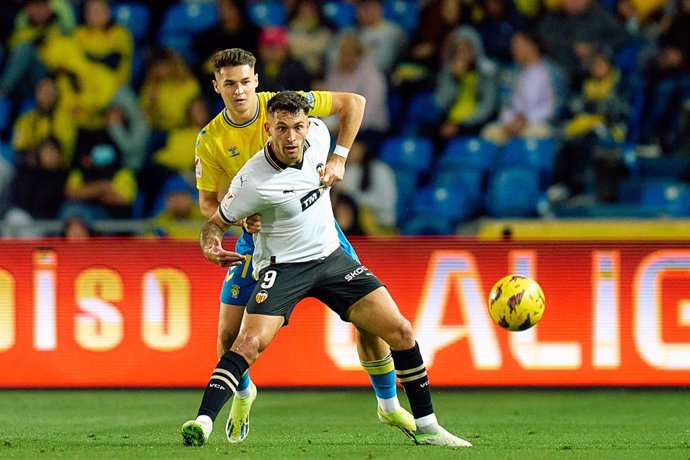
x,y
233,151
261,296
311,99
320,169
235,291
197,167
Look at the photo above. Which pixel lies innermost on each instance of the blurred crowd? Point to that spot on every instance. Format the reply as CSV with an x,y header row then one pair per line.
x,y
101,100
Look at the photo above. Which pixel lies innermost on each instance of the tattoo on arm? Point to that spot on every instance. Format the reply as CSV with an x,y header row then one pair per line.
x,y
208,234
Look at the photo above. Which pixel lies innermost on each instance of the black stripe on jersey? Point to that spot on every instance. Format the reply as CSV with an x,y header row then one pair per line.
x,y
223,216
240,125
278,165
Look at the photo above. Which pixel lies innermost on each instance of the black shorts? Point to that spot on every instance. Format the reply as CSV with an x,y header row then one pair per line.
x,y
337,280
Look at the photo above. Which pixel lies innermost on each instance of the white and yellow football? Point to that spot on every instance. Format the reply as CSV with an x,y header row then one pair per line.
x,y
516,302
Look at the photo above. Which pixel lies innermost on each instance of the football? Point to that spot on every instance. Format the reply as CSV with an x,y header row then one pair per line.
x,y
516,302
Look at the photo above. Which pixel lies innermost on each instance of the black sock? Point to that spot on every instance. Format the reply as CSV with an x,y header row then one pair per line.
x,y
222,384
410,370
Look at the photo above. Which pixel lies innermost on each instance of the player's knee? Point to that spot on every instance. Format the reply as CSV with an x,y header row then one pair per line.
x,y
402,336
225,341
247,346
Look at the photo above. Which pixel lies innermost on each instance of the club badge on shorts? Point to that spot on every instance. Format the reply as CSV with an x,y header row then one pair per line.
x,y
235,291
261,296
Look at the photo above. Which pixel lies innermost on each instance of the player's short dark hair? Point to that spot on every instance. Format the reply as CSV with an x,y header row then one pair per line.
x,y
232,57
288,101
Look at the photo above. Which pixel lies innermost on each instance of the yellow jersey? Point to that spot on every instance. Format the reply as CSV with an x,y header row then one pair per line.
x,y
223,147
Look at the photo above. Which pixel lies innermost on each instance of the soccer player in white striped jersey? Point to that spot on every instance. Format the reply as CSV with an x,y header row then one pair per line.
x,y
223,146
298,255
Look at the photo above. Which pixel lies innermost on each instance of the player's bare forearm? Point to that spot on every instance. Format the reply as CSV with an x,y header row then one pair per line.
x,y
208,203
350,110
335,170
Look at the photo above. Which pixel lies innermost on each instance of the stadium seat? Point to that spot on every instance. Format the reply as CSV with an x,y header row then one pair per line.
x,y
181,21
5,114
406,185
513,191
267,13
342,14
468,152
7,152
135,17
405,13
665,197
450,203
539,154
672,166
468,179
413,153
421,110
425,224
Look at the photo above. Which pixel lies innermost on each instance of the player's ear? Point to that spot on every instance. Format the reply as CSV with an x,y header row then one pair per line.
x,y
267,127
215,86
256,80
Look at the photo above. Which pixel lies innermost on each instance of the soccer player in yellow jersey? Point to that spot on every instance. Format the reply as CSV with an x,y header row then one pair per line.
x,y
222,148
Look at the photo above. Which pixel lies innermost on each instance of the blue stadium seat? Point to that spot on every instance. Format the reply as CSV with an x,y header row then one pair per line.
x,y
407,152
7,152
449,203
181,22
408,156
341,14
406,186
468,152
424,224
513,191
5,114
539,154
469,180
267,13
135,17
405,13
421,110
664,197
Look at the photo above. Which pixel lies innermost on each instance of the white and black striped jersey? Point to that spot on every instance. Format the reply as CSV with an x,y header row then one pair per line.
x,y
296,213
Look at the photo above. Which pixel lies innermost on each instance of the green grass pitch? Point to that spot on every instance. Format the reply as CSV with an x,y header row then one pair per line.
x,y
502,424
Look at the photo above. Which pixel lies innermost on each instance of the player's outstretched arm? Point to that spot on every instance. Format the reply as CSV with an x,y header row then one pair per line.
x,y
350,110
211,240
208,203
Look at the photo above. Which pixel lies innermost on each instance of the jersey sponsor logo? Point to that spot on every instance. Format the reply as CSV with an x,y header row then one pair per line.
x,y
235,291
311,99
261,296
357,271
233,151
197,167
242,179
310,198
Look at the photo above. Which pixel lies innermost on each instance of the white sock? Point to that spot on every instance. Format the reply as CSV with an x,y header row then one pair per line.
x,y
427,424
204,420
244,394
390,405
